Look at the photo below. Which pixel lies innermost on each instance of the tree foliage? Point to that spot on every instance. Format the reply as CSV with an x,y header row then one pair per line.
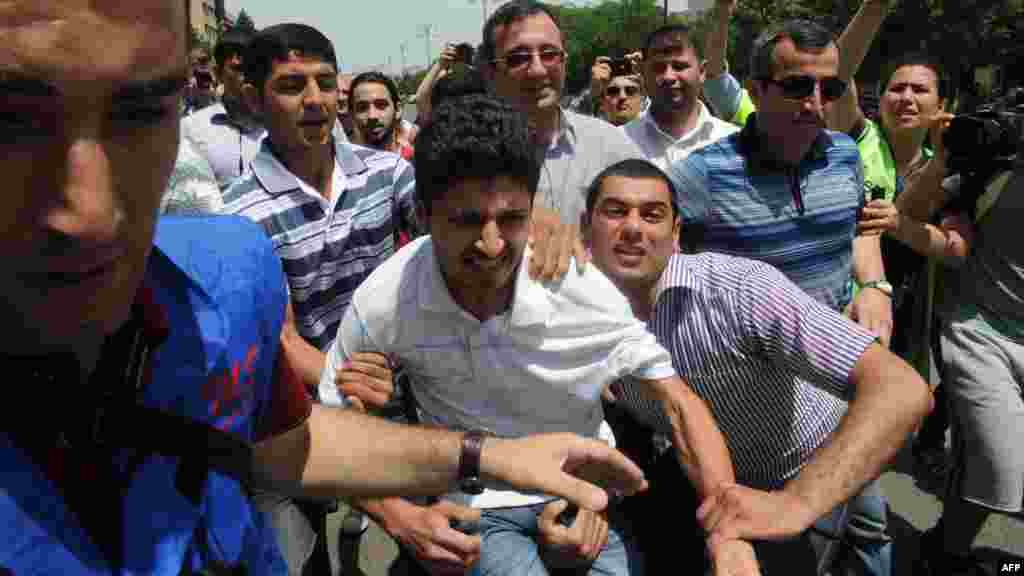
x,y
963,34
244,21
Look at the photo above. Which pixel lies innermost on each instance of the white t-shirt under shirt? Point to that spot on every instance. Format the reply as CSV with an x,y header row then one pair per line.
x,y
539,367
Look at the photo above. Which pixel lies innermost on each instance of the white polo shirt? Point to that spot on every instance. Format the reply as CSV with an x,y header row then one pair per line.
x,y
539,367
662,149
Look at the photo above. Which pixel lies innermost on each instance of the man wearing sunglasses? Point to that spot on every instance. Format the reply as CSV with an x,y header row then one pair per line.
x,y
787,191
525,65
623,99
677,122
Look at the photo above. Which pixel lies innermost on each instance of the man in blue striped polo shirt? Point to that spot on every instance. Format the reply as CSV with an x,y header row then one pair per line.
x,y
786,191
811,406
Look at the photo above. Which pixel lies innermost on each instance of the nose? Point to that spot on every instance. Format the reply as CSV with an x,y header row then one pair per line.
x,y
536,68
631,225
490,244
87,210
312,96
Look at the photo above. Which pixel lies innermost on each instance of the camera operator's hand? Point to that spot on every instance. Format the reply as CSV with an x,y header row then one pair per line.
x,y
937,126
879,217
448,56
635,60
600,75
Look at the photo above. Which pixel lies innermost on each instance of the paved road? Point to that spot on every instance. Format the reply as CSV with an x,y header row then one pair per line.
x,y
913,508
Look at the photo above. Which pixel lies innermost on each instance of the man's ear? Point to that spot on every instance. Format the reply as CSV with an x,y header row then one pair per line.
x,y
755,92
253,98
585,229
677,226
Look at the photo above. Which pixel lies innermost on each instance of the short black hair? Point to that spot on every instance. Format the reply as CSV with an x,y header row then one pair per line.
x,y
631,168
473,136
682,31
374,77
806,35
508,13
233,42
916,59
471,82
277,42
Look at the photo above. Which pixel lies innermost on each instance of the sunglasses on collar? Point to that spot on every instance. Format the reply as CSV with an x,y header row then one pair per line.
x,y
800,86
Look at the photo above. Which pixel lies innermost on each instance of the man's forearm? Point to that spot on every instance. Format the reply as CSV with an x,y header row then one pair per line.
x,y
890,400
867,259
303,357
698,441
717,43
856,39
341,453
930,240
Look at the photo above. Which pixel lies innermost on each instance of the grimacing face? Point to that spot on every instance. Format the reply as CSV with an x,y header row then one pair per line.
x,y
88,138
632,230
910,98
480,227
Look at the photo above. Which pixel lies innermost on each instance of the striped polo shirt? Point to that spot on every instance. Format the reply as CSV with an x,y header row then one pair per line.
x,y
328,246
800,219
773,365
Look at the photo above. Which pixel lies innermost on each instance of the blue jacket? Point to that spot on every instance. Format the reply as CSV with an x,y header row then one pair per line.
x,y
222,290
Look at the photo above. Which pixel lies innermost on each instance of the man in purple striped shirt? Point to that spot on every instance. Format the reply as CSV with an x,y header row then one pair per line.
x,y
812,407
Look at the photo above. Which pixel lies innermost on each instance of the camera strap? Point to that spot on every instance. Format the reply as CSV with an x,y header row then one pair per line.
x,y
993,189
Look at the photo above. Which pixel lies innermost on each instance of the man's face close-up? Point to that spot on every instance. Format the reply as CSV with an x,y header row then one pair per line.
x,y
374,114
299,102
530,70
480,227
622,99
795,120
674,76
632,231
88,137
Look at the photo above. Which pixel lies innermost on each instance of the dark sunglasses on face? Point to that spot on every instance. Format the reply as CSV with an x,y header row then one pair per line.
x,y
798,87
520,58
629,91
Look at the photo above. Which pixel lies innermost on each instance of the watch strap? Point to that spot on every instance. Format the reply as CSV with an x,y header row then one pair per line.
x,y
469,461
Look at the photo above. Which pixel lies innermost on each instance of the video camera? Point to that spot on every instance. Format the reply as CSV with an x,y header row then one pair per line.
x,y
984,143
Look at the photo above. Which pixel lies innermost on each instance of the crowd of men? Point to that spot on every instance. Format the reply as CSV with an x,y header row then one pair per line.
x,y
672,324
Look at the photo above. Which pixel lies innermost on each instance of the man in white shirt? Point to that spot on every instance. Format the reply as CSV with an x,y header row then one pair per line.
x,y
489,350
676,122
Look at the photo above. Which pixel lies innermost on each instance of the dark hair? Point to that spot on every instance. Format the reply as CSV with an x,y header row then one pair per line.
x,y
916,59
277,42
806,35
375,77
674,30
507,14
636,168
473,136
457,85
233,42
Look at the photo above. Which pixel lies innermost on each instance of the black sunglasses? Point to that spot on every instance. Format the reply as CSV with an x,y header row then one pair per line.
x,y
629,91
798,87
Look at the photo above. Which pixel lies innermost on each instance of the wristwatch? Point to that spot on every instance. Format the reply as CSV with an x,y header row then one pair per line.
x,y
880,285
469,462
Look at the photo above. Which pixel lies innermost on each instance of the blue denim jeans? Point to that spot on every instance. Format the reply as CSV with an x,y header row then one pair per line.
x,y
870,546
508,546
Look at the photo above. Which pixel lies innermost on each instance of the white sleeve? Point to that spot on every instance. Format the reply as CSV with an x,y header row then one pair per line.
x,y
351,338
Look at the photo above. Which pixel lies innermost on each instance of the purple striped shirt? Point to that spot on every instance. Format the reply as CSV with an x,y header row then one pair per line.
x,y
773,364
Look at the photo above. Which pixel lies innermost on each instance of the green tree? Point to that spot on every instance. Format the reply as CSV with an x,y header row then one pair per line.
x,y
244,21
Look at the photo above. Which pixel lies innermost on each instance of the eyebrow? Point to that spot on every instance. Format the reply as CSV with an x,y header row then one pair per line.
x,y
16,83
